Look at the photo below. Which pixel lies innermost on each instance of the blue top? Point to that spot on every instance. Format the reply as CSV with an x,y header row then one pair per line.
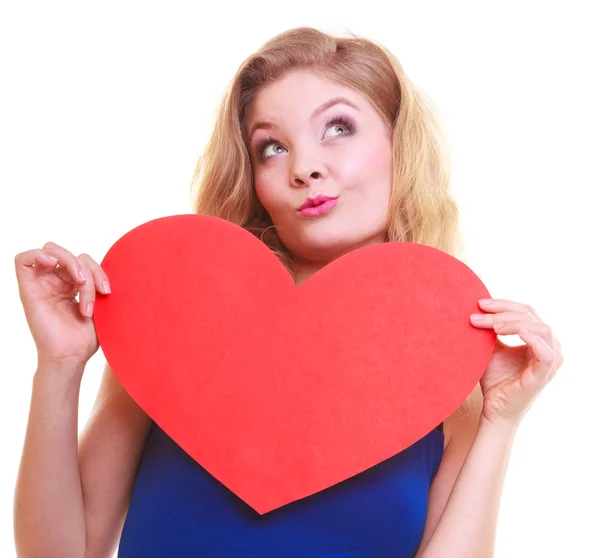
x,y
179,510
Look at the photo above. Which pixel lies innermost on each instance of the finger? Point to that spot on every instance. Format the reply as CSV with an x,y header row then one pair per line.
x,y
47,265
544,367
44,263
512,328
36,263
490,320
28,257
502,305
62,272
27,262
65,275
87,291
100,278
67,260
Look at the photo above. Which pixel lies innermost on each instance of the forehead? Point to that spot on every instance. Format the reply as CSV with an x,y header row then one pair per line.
x,y
296,94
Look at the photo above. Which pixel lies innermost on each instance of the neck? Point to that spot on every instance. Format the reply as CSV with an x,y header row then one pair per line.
x,y
304,270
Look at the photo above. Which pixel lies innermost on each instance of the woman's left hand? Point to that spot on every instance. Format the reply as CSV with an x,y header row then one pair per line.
x,y
516,375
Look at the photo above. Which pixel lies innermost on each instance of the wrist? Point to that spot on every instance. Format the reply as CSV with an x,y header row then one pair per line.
x,y
507,427
69,371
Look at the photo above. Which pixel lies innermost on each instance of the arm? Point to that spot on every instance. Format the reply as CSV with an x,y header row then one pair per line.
x,y
70,498
48,505
462,523
110,450
467,525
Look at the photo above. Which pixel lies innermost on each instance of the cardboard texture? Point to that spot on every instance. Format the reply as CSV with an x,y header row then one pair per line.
x,y
280,391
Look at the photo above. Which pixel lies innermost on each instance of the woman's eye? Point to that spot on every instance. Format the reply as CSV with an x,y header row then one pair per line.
x,y
268,147
338,125
270,142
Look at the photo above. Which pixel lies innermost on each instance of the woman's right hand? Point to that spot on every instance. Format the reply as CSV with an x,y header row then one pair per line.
x,y
62,327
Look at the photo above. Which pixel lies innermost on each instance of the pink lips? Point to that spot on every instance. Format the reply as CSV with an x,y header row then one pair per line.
x,y
317,205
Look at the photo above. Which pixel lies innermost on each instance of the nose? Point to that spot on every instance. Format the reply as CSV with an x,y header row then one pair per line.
x,y
299,180
307,170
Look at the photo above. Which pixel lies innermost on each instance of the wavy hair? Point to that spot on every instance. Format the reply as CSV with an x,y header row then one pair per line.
x,y
421,209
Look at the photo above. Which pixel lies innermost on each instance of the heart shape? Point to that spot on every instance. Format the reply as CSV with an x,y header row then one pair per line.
x,y
281,391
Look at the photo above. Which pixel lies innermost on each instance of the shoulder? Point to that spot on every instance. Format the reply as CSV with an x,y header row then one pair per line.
x,y
462,425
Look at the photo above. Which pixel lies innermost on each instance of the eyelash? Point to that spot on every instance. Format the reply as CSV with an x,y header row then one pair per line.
x,y
263,144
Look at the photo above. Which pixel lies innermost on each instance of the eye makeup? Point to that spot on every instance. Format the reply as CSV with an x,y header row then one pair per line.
x,y
340,119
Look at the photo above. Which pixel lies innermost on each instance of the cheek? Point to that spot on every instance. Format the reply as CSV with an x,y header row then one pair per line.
x,y
268,195
368,167
368,157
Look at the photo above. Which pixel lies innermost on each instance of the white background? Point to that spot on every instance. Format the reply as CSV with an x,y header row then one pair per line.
x,y
105,107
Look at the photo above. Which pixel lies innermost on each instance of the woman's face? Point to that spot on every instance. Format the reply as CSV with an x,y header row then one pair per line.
x,y
314,154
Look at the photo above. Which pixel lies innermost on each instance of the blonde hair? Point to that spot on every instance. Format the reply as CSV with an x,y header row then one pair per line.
x,y
421,208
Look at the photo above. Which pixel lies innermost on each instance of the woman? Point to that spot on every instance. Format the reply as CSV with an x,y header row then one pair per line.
x,y
322,145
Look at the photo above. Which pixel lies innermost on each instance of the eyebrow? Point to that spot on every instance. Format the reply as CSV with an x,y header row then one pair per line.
x,y
322,108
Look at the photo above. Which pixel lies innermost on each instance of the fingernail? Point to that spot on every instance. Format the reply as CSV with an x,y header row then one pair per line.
x,y
81,274
486,301
89,309
106,287
477,316
50,257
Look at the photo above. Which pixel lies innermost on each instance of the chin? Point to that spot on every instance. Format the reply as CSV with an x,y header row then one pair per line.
x,y
327,247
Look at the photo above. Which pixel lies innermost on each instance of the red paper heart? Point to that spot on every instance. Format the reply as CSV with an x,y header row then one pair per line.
x,y
281,391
